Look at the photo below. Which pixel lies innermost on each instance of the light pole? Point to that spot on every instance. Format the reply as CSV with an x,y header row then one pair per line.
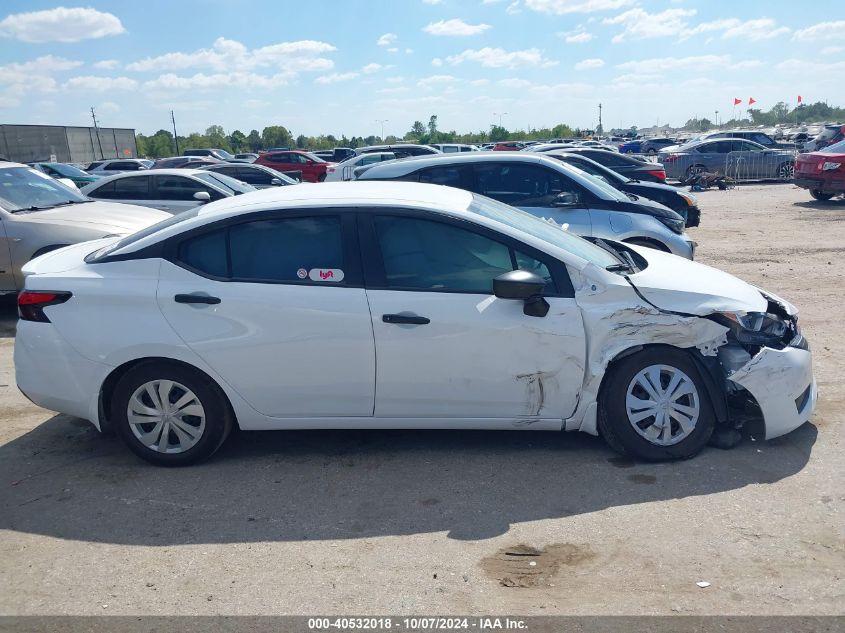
x,y
382,121
717,119
500,115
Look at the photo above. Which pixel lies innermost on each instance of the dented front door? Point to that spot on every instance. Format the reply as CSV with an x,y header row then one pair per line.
x,y
446,347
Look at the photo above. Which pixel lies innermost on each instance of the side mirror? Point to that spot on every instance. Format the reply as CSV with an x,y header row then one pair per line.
x,y
202,196
521,284
276,182
565,199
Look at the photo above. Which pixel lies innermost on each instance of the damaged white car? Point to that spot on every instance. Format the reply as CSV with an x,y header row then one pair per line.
x,y
399,305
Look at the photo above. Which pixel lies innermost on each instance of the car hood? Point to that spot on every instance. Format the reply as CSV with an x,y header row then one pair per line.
x,y
111,217
680,285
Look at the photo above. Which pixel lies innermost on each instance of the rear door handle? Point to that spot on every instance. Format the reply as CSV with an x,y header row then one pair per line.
x,y
405,319
196,299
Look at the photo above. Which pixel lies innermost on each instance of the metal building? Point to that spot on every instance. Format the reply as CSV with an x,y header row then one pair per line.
x,y
59,143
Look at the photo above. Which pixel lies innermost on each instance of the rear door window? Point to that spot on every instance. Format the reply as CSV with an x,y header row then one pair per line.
x,y
521,185
181,188
134,188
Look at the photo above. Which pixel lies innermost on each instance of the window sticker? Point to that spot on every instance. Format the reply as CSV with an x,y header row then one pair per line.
x,y
302,273
326,274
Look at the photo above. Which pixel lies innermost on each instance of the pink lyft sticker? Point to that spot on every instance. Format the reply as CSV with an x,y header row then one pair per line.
x,y
325,274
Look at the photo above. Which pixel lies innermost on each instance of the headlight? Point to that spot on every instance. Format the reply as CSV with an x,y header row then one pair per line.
x,y
754,328
690,200
828,166
672,224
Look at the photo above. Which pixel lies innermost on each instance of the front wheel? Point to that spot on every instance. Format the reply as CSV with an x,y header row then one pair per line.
x,y
321,178
170,414
694,170
654,406
821,195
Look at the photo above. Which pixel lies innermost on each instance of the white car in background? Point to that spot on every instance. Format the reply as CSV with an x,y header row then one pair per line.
x,y
39,214
345,170
171,190
269,311
118,166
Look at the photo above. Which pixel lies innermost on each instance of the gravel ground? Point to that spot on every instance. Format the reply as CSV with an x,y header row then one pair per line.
x,y
441,522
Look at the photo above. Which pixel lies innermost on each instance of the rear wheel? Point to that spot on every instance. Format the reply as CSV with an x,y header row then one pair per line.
x,y
654,406
170,414
821,195
786,171
694,170
321,178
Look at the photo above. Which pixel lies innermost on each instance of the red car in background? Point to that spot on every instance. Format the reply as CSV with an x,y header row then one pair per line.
x,y
312,167
822,172
508,146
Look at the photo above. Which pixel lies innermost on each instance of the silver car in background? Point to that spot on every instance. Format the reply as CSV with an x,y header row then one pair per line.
x,y
548,189
171,190
733,157
39,214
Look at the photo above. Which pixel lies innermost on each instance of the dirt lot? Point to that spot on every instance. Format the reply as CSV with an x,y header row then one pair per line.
x,y
440,522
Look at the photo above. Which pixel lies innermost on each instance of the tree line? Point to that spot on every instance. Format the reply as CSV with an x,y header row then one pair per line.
x,y
162,143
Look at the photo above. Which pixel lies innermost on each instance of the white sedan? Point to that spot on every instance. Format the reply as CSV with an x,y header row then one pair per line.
x,y
345,170
171,190
398,305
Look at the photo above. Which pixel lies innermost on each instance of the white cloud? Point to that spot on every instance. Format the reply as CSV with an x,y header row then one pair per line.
x,y
455,28
432,1
577,36
754,30
479,82
513,8
808,68
513,82
395,80
562,7
21,78
832,50
437,62
430,82
107,64
255,104
389,91
697,62
409,51
108,107
372,68
500,58
640,24
820,32
60,25
90,83
589,64
200,81
336,78
388,39
302,55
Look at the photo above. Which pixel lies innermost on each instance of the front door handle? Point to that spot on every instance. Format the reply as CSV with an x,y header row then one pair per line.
x,y
405,319
196,299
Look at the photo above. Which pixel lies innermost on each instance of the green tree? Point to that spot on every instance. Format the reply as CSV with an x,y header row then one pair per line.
x,y
301,141
276,136
237,141
498,133
253,141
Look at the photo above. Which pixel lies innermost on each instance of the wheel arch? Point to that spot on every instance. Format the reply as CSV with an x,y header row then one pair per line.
x,y
708,367
111,380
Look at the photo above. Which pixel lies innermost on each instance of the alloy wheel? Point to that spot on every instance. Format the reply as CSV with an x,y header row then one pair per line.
x,y
786,171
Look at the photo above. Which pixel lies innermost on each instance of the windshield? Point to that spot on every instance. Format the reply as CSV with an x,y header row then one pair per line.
x,y
222,153
68,171
599,187
591,168
227,183
546,231
836,148
25,189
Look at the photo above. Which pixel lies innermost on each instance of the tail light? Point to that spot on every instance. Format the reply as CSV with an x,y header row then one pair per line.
x,y
31,304
657,173
330,169
671,158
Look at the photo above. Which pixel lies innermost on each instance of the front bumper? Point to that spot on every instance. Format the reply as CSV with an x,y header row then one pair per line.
x,y
782,383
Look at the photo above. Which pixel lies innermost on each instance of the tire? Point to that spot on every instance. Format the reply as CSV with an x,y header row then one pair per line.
x,y
321,178
625,378
658,246
191,437
786,171
694,170
821,195
652,152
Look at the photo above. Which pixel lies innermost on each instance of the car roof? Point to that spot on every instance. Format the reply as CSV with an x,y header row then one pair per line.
x,y
413,163
148,172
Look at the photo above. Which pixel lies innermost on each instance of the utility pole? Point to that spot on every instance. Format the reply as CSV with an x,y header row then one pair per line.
x,y
500,115
175,137
717,119
97,130
600,129
382,121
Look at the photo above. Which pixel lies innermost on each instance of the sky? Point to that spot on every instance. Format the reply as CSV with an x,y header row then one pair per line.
x,y
357,67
